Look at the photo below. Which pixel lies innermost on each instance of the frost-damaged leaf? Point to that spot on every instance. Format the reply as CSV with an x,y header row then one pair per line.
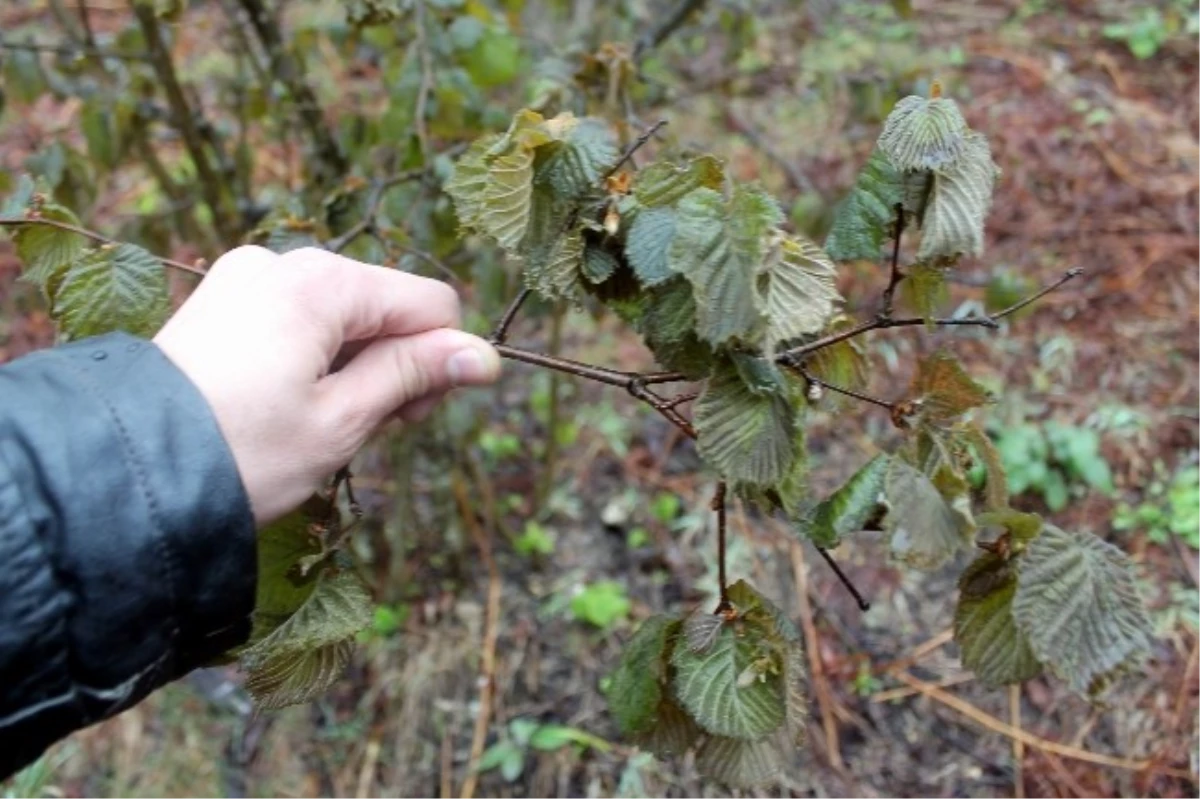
x,y
959,202
1021,527
996,485
47,251
503,210
801,293
739,763
668,328
1078,603
943,391
851,508
992,645
923,133
663,183
297,677
575,165
926,531
763,612
598,264
924,290
746,437
708,687
469,181
863,221
720,248
648,244
700,630
112,287
303,656
638,681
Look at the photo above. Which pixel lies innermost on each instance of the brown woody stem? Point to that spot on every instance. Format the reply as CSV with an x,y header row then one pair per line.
x,y
889,294
96,237
718,506
863,604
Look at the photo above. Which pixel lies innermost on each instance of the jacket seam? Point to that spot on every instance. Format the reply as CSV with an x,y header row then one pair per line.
x,y
165,551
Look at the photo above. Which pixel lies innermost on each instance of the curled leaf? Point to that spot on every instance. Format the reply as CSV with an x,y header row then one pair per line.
x,y
923,133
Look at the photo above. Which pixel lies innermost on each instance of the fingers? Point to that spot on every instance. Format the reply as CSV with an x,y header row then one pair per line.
x,y
391,373
354,301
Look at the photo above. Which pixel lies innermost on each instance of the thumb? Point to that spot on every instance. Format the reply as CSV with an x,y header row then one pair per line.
x,y
392,372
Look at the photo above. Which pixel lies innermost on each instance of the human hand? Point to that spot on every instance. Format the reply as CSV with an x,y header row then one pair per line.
x,y
262,335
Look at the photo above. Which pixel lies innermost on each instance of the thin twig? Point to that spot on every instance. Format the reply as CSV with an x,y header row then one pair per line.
x,y
369,219
487,662
426,86
799,180
812,647
96,237
990,320
681,399
863,604
996,725
816,381
638,143
501,332
1018,746
72,50
665,27
718,506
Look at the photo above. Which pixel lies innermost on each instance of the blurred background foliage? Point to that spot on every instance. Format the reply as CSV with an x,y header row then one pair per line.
x,y
183,127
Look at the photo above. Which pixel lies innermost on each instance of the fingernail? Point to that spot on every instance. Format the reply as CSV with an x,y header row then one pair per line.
x,y
466,366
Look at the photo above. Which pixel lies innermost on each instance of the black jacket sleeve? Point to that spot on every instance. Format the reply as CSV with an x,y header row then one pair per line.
x,y
127,553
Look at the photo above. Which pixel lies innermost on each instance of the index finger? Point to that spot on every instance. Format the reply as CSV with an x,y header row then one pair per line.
x,y
358,301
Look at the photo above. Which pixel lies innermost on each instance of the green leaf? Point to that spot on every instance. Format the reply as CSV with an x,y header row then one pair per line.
x,y
746,437
1078,603
760,375
711,685
668,329
283,584
943,392
959,202
720,248
924,290
48,251
739,763
637,682
663,183
648,244
575,166
992,645
555,255
801,293
864,220
602,604
1021,527
16,204
504,206
926,532
923,133
470,179
302,657
851,508
598,264
497,754
551,737
112,287
99,131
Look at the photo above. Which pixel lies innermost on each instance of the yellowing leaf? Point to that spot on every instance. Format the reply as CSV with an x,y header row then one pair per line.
x,y
112,287
923,133
746,437
924,289
1078,603
469,181
503,209
959,202
801,293
992,645
663,183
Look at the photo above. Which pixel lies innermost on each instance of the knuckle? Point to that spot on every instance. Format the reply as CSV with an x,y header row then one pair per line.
x,y
242,257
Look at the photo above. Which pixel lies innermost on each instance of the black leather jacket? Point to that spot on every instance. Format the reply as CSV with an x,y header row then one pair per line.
x,y
127,553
